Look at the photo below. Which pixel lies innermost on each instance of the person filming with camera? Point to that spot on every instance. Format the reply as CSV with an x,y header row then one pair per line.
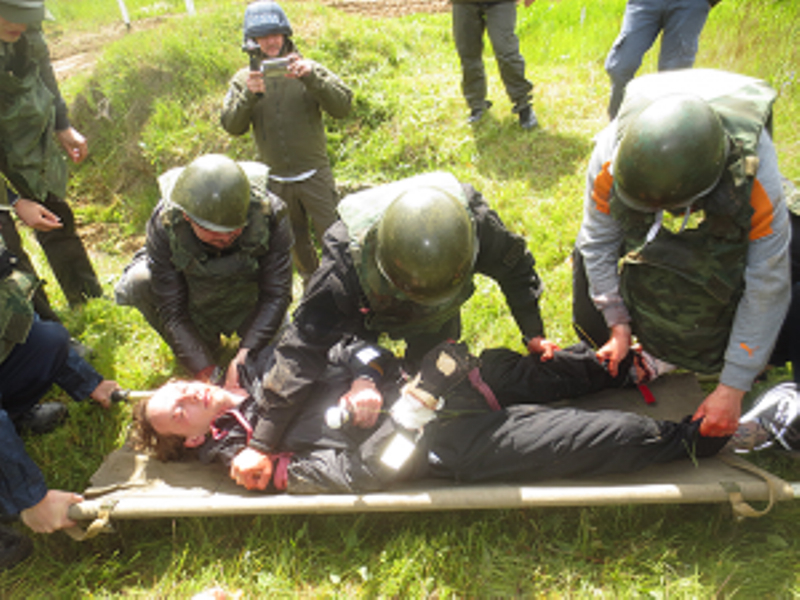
x,y
282,95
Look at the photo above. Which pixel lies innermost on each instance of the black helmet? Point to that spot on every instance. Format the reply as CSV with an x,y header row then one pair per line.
x,y
672,153
264,18
426,245
24,12
214,192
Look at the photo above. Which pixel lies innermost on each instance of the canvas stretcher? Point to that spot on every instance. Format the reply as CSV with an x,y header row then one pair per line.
x,y
134,486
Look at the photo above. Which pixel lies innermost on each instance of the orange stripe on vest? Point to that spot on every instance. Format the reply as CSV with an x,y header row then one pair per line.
x,y
761,221
601,191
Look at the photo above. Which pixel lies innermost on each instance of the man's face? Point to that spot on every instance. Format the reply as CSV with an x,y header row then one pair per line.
x,y
271,45
11,32
217,239
187,409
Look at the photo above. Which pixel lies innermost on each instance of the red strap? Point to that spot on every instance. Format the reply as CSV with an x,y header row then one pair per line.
x,y
479,384
649,398
218,434
280,468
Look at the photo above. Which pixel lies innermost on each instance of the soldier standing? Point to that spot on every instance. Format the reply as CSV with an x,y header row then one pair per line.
x,y
471,18
283,105
680,23
33,124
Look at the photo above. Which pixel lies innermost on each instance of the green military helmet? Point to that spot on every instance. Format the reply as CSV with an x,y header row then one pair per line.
x,y
214,192
672,153
426,245
25,12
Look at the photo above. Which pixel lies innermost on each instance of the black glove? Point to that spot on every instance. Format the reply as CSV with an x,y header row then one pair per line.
x,y
443,367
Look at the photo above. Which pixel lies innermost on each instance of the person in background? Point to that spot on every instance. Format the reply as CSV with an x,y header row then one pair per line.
x,y
283,101
679,22
216,261
498,18
34,126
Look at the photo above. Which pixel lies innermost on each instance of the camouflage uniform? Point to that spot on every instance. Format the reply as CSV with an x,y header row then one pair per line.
x,y
191,292
710,297
31,111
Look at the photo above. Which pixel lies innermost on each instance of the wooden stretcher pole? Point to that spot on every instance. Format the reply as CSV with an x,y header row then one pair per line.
x,y
135,506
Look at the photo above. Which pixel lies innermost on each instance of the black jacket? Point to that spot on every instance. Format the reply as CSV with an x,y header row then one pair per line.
x,y
334,306
171,290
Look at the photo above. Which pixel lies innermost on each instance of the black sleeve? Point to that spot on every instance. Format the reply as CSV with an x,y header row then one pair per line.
x,y
274,282
171,295
328,311
504,256
362,358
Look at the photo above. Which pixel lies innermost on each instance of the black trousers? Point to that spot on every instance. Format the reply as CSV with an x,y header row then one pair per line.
x,y
65,253
589,323
521,443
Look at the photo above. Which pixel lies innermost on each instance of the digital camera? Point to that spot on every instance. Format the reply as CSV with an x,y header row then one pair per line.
x,y
274,67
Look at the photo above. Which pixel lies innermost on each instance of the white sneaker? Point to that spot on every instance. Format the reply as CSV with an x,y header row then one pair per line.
x,y
775,416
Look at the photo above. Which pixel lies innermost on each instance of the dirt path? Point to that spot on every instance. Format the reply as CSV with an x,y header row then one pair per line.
x,y
74,53
389,8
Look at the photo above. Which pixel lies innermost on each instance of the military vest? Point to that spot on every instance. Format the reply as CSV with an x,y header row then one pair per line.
x,y
387,309
27,119
222,284
16,309
682,289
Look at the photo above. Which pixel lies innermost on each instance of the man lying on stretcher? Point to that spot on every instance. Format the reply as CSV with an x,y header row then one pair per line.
x,y
461,418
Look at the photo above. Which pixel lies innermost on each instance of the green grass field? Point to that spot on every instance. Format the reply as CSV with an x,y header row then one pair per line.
x,y
152,101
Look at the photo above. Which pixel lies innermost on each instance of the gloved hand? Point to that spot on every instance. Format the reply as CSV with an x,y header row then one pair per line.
x,y
443,367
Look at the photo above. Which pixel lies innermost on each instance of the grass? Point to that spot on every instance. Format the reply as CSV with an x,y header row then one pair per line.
x,y
152,102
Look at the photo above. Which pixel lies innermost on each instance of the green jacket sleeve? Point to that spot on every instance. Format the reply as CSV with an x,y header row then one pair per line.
x,y
237,108
329,90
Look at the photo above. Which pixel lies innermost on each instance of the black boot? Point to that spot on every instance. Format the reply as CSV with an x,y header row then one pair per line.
x,y
14,548
42,418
